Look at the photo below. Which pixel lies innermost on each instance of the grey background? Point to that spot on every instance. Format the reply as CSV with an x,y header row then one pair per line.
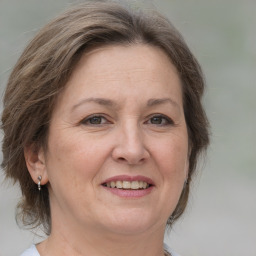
x,y
220,219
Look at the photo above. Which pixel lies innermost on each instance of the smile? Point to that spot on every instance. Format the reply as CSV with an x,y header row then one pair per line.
x,y
131,185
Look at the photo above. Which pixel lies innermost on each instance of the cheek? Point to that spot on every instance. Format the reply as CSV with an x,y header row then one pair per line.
x,y
171,160
172,157
75,158
71,168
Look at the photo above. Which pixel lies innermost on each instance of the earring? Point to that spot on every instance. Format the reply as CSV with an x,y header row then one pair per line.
x,y
39,182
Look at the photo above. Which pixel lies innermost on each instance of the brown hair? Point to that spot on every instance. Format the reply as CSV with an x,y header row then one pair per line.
x,y
45,67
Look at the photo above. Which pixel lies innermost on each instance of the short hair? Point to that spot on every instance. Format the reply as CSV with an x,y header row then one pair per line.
x,y
45,66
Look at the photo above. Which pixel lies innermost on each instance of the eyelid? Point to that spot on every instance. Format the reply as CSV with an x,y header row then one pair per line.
x,y
167,118
85,120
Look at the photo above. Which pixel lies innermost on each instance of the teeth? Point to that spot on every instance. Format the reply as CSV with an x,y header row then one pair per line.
x,y
145,185
135,185
119,184
128,184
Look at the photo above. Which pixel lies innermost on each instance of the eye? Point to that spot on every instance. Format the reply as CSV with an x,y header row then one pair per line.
x,y
95,120
160,120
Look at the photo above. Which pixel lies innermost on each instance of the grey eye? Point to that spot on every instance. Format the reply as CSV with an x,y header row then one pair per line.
x,y
95,120
156,120
160,120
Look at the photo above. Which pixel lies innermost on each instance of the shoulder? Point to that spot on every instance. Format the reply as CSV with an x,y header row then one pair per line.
x,y
32,251
168,249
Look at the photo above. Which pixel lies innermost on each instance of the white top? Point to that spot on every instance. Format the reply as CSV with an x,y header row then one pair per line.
x,y
168,249
32,251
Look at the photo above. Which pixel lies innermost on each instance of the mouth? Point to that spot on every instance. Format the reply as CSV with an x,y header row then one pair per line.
x,y
128,185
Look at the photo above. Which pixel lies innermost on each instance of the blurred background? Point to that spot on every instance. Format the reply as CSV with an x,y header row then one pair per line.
x,y
220,218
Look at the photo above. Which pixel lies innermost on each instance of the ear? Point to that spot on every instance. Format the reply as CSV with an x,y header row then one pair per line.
x,y
35,161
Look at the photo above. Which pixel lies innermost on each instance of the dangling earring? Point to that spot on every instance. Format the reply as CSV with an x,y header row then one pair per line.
x,y
39,182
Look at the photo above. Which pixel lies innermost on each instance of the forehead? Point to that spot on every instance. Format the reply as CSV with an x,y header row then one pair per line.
x,y
124,70
119,60
136,56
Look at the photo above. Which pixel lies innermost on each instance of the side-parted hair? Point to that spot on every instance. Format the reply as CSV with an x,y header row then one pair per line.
x,y
45,66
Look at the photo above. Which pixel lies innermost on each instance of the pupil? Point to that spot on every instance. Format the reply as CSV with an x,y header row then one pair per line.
x,y
156,120
95,120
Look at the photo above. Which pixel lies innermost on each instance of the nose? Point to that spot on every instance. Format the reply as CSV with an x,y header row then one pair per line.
x,y
129,146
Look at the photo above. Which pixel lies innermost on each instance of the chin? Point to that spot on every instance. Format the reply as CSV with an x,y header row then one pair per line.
x,y
132,222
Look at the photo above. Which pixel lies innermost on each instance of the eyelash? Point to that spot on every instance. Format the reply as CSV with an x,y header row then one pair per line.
x,y
168,121
88,120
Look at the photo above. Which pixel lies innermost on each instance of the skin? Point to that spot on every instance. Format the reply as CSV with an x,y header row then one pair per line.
x,y
134,94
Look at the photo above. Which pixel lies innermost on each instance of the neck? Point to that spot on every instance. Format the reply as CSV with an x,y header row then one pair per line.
x,y
65,241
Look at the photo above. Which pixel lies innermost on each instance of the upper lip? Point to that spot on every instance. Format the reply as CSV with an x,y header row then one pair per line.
x,y
129,178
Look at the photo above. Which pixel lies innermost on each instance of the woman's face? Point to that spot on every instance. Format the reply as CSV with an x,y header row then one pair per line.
x,y
117,153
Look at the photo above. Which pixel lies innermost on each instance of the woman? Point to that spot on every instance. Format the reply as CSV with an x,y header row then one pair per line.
x,y
103,126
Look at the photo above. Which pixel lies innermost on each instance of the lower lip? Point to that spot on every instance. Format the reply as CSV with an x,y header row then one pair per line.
x,y
129,193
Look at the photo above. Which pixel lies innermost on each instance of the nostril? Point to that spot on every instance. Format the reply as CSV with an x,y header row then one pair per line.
x,y
130,161
121,159
130,154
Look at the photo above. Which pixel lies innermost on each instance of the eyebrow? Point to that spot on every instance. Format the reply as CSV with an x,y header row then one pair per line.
x,y
110,103
153,102
100,101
